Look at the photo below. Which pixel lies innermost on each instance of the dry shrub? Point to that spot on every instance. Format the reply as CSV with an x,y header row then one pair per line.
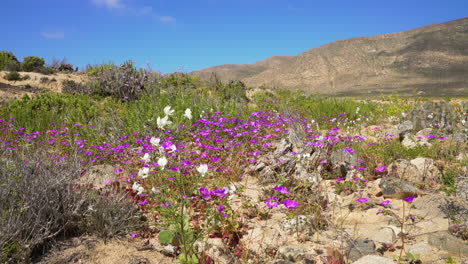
x,y
40,202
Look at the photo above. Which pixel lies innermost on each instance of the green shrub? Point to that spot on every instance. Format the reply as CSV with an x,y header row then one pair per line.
x,y
12,76
7,58
92,70
31,63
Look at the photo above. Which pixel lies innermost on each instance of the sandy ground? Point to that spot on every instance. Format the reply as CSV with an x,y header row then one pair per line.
x,y
17,89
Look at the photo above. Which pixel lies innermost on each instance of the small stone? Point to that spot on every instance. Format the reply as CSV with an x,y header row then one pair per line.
x,y
396,188
138,260
372,259
169,250
299,223
427,169
292,253
361,247
445,241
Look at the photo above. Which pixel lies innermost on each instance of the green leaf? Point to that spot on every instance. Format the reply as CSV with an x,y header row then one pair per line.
x,y
165,237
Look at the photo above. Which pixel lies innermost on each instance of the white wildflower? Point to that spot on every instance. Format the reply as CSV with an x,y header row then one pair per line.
x,y
155,141
188,113
146,158
162,162
168,111
202,169
162,122
138,188
173,148
143,172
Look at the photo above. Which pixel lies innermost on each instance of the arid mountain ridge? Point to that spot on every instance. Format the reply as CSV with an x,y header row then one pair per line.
x,y
432,60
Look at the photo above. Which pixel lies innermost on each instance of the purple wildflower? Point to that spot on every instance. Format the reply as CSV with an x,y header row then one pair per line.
x,y
271,202
290,204
362,200
281,189
409,199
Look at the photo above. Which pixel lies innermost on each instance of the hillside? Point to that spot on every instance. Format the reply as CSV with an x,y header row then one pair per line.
x,y
432,59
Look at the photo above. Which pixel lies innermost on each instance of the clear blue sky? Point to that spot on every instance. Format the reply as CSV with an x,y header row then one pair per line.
x,y
196,34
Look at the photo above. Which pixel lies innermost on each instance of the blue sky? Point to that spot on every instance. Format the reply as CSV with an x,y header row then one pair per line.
x,y
187,35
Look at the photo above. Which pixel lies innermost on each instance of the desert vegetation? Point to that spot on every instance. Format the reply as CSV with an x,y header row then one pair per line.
x,y
206,171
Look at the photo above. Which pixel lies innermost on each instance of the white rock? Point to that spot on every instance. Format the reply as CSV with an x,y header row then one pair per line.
x,y
372,259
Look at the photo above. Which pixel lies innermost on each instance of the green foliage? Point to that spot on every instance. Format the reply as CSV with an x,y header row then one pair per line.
x,y
12,76
165,237
449,178
396,106
31,63
313,106
388,151
7,58
93,70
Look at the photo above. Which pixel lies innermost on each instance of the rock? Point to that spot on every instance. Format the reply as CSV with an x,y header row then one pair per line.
x,y
409,141
138,260
445,241
339,156
372,259
396,188
358,248
216,250
459,230
428,170
264,237
281,147
462,156
460,137
462,187
292,253
405,127
423,133
283,262
302,175
169,250
267,175
299,223
423,249
418,171
381,234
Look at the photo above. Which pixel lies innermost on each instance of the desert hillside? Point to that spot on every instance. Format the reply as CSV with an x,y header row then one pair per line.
x,y
431,59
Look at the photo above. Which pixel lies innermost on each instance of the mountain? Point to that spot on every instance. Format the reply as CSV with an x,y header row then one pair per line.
x,y
432,60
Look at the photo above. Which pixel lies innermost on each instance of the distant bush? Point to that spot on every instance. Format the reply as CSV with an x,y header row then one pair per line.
x,y
72,87
124,82
61,66
44,70
25,77
44,80
12,76
7,58
31,63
